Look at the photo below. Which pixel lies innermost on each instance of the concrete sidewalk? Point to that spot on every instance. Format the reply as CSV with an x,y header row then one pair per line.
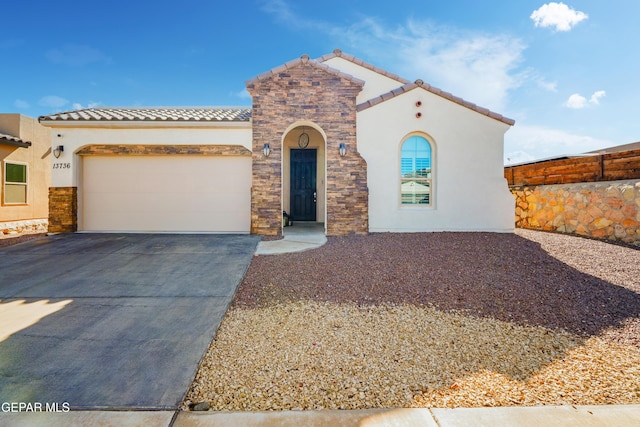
x,y
557,416
300,237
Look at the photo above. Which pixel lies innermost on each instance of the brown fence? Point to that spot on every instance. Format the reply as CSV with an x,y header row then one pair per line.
x,y
599,167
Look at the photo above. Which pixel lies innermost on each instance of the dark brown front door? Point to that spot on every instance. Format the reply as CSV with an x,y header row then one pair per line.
x,y
303,184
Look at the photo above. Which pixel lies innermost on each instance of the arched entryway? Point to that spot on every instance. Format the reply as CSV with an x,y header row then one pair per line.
x,y
304,173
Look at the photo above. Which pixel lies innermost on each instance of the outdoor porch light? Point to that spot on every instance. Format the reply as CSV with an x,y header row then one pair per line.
x,y
343,149
57,151
266,149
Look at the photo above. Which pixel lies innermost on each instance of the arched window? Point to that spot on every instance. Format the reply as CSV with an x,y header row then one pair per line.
x,y
415,171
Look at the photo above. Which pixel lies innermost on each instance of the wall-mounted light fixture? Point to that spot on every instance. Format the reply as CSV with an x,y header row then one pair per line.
x,y
266,149
343,149
57,151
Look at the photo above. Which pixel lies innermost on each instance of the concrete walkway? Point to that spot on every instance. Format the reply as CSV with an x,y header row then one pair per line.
x,y
301,236
556,416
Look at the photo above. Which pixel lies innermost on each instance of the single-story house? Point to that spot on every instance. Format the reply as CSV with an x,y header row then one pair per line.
x,y
333,140
25,148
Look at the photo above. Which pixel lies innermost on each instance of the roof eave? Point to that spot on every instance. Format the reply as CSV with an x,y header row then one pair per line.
x,y
140,124
14,142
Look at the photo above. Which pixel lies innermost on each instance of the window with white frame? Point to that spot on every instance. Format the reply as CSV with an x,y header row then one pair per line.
x,y
416,172
15,183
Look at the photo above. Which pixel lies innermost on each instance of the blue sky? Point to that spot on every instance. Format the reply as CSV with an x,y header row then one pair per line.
x,y
568,73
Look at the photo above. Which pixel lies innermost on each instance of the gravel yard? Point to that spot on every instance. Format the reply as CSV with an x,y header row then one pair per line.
x,y
430,320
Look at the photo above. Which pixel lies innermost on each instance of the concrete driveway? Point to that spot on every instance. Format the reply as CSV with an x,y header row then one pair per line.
x,y
113,321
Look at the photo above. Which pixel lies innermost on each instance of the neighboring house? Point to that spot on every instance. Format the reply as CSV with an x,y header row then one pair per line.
x,y
25,148
333,140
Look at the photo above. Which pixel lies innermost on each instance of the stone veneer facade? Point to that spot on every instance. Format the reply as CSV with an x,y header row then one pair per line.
x,y
306,91
63,209
13,229
604,210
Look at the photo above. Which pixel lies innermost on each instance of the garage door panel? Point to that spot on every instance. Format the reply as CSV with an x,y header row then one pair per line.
x,y
166,193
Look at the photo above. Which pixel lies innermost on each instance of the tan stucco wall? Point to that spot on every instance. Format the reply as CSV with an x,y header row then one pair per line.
x,y
470,192
37,157
80,139
74,138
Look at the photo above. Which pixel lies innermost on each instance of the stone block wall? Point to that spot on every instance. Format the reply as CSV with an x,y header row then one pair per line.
x,y
604,210
306,91
12,229
63,209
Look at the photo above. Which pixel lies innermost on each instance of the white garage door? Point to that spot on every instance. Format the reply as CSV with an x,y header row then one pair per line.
x,y
166,194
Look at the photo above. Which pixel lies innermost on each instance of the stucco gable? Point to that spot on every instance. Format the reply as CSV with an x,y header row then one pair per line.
x,y
337,53
419,84
303,60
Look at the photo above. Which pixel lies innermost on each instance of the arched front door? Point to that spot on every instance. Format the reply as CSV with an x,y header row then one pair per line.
x,y
303,191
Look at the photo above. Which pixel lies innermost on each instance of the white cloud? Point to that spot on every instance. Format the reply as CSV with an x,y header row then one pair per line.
x,y
281,10
91,104
479,67
557,15
548,86
578,102
21,104
515,157
527,142
595,98
76,55
243,94
53,101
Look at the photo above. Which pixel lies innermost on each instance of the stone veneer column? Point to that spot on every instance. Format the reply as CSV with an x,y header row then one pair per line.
x,y
63,209
303,90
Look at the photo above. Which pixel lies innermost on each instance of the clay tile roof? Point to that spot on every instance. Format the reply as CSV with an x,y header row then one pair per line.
x,y
13,140
154,114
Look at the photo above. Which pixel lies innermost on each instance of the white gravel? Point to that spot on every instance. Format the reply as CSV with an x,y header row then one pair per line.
x,y
293,344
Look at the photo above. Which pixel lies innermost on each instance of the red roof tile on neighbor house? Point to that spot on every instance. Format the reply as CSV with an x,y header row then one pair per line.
x,y
163,114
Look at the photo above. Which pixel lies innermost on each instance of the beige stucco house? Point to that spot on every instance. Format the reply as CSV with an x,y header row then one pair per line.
x,y
333,140
25,148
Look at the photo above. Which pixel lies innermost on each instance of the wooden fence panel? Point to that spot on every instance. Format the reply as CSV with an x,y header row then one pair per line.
x,y
599,167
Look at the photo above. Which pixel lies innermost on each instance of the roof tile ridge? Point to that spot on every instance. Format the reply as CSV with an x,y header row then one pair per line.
x,y
386,96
